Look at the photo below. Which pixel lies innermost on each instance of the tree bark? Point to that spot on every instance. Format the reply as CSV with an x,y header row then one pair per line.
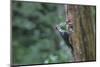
x,y
83,37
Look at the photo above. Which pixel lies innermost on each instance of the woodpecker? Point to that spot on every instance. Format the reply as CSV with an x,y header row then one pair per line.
x,y
65,35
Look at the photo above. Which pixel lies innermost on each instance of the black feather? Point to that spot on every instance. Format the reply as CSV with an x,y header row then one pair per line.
x,y
65,36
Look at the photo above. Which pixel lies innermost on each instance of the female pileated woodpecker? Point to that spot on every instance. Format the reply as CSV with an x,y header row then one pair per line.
x,y
65,35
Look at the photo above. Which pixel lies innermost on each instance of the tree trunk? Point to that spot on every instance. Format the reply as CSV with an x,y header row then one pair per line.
x,y
83,37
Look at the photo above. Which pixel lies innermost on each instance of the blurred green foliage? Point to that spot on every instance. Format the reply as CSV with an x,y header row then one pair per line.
x,y
34,40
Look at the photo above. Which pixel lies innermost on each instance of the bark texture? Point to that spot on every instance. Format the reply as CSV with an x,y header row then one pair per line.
x,y
83,37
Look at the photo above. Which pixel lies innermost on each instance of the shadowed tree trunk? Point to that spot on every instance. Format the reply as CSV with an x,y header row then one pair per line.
x,y
83,37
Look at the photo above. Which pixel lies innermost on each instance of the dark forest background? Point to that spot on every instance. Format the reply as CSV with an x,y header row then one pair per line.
x,y
34,40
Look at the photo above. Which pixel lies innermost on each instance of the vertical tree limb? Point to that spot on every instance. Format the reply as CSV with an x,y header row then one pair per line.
x,y
83,37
